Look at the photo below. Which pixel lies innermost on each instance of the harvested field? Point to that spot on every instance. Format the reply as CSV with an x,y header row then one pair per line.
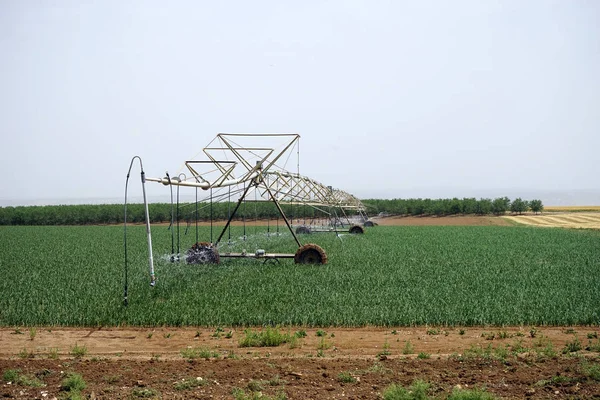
x,y
577,220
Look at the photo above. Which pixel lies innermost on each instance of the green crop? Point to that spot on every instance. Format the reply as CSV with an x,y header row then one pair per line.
x,y
389,276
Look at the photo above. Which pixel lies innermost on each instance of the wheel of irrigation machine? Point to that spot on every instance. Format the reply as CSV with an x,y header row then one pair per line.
x,y
356,230
310,254
369,224
202,253
303,230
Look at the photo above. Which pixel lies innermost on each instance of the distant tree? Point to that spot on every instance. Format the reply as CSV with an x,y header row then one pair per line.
x,y
500,205
536,206
519,206
484,206
455,206
469,205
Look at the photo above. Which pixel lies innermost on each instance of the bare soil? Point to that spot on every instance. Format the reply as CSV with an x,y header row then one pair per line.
x,y
455,220
124,363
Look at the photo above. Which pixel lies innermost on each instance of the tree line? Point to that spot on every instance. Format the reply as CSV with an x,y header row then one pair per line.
x,y
454,206
87,214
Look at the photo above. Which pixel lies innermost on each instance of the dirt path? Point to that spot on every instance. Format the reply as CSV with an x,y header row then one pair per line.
x,y
454,220
327,363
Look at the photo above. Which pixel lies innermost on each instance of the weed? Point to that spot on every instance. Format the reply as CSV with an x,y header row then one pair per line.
x,y
570,331
470,394
11,375
321,333
229,335
17,331
231,355
377,368
32,333
418,390
217,333
479,352
24,353
423,356
53,353
504,335
197,335
30,381
517,347
591,371
186,384
501,352
167,335
433,331
270,337
276,381
386,350
192,353
15,376
255,386
533,332
320,353
73,382
593,346
592,335
394,332
300,334
555,380
573,346
544,347
78,351
461,332
345,377
408,348
323,344
149,335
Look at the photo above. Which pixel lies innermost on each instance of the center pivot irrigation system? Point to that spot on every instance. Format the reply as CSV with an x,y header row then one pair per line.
x,y
253,168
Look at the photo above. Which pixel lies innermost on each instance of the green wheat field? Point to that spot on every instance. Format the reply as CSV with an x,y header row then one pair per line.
x,y
390,276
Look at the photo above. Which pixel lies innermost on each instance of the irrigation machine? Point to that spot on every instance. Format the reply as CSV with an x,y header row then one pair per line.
x,y
252,168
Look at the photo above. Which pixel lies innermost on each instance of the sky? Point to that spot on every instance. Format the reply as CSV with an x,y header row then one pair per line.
x,y
392,99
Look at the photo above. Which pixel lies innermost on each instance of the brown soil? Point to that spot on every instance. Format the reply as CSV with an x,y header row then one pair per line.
x,y
137,362
457,220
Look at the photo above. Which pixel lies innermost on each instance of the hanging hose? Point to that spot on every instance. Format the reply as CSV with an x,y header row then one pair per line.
x,y
150,259
178,249
172,216
196,216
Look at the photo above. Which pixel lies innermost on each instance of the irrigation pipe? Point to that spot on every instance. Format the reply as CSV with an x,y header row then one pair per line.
x,y
150,258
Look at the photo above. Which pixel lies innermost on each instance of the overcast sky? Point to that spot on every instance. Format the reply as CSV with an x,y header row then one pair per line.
x,y
391,99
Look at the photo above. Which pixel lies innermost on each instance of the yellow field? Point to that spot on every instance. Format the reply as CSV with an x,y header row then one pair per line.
x,y
589,220
571,208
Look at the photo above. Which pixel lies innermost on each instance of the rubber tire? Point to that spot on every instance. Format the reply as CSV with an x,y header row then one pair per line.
x,y
202,253
303,230
310,254
356,230
369,224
